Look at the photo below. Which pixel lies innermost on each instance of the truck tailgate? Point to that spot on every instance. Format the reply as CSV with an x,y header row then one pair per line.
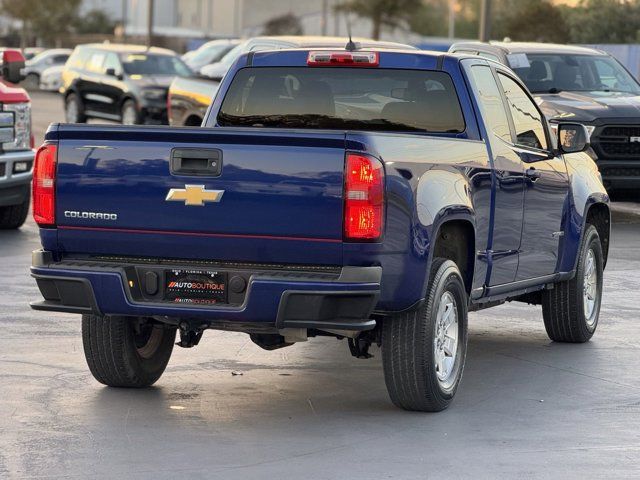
x,y
279,193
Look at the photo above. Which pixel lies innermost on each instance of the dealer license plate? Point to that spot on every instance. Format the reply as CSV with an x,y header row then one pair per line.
x,y
198,287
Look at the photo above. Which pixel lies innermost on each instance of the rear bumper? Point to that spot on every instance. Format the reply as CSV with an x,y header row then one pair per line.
x,y
341,300
14,187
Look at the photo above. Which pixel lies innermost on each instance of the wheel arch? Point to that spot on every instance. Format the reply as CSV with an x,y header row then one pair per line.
x,y
598,214
454,238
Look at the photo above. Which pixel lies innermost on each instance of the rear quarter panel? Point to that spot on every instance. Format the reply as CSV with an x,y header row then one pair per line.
x,y
429,181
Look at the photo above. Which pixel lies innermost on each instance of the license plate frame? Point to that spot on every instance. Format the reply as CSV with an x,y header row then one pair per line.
x,y
195,286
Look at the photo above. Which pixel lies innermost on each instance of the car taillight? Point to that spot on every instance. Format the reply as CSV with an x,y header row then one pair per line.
x,y
44,185
347,59
364,198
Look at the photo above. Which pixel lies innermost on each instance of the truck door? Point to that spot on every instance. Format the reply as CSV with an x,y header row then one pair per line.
x,y
546,184
508,176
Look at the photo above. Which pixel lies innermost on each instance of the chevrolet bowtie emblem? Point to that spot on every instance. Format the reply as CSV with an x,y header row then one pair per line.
x,y
194,195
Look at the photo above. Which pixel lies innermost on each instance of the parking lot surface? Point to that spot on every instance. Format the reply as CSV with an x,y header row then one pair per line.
x,y
526,408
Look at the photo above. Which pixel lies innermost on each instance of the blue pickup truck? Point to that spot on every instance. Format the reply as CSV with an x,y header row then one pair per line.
x,y
376,196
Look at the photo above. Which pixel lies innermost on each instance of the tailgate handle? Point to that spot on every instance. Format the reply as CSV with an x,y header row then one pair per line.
x,y
196,161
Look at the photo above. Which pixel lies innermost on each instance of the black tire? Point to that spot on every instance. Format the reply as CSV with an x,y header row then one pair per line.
x,y
32,81
125,352
14,216
129,114
409,343
72,101
563,307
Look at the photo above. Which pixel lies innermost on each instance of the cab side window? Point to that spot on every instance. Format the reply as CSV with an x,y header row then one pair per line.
x,y
527,120
95,63
112,62
491,102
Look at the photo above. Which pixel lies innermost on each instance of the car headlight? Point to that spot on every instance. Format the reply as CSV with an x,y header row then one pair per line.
x,y
21,126
154,93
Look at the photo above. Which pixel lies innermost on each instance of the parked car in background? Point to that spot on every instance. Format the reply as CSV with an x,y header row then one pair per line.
x,y
189,97
208,53
125,83
31,52
582,85
33,68
51,79
16,143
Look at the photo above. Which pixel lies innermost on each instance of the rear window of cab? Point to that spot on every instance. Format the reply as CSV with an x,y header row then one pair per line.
x,y
342,98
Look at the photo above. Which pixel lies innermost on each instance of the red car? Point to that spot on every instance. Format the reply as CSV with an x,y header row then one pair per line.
x,y
16,143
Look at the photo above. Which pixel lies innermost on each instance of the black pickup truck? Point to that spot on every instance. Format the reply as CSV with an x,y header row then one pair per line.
x,y
580,85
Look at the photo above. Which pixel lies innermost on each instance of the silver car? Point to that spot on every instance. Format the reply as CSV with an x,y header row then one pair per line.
x,y
33,68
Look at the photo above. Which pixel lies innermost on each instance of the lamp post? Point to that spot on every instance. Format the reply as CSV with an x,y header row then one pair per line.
x,y
149,22
485,21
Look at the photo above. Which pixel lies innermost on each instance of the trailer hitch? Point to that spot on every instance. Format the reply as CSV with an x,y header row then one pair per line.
x,y
190,335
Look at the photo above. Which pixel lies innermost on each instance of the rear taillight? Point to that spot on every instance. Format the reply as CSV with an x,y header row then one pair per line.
x,y
364,198
347,59
44,185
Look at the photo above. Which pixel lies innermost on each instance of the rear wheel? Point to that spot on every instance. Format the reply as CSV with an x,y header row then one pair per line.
x,y
126,351
73,110
14,216
32,81
423,352
572,308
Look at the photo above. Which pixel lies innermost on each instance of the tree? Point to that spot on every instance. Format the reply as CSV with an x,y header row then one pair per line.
x,y
95,21
287,24
604,21
382,13
522,20
46,19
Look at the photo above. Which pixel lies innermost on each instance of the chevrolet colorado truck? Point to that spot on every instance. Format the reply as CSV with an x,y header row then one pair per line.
x,y
376,196
585,86
16,153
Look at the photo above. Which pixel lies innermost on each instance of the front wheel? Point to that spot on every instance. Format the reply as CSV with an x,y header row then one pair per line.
x,y
126,351
130,114
571,309
423,352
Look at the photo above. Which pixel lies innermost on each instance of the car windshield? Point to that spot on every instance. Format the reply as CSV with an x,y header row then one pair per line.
x,y
210,53
342,98
146,64
233,54
553,73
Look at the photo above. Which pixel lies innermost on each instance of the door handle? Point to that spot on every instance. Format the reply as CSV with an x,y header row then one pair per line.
x,y
196,161
532,174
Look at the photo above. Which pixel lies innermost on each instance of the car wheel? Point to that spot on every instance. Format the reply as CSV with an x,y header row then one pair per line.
x,y
129,114
14,216
74,112
571,309
32,81
423,351
126,351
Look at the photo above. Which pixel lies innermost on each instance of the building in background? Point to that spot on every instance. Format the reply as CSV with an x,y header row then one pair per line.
x,y
243,18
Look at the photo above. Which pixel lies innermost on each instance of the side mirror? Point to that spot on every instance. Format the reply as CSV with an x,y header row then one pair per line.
x,y
12,64
111,72
572,137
